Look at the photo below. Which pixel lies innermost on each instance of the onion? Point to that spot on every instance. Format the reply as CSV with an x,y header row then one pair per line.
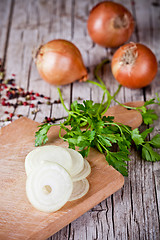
x,y
134,65
68,158
80,188
59,62
49,187
52,174
84,173
110,24
45,154
77,160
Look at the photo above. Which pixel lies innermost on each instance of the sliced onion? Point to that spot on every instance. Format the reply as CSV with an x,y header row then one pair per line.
x,y
80,188
84,173
77,160
49,187
49,153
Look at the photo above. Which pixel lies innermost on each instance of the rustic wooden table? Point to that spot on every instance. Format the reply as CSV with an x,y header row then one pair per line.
x,y
133,211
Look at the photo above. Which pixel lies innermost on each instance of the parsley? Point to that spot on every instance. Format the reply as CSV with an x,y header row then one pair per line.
x,y
149,154
136,136
155,141
41,134
149,116
86,127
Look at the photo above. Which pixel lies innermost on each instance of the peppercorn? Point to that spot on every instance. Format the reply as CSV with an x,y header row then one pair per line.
x,y
31,105
33,98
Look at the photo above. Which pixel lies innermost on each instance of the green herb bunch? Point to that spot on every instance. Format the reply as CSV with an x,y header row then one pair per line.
x,y
86,127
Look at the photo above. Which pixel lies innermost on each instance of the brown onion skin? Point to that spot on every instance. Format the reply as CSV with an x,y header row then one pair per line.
x,y
59,62
101,24
139,74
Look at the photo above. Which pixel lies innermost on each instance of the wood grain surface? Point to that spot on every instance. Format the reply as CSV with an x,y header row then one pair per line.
x,y
132,212
19,220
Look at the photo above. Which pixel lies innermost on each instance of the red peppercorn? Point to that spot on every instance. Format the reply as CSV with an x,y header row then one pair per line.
x,y
20,89
31,105
6,112
8,119
37,94
3,103
25,103
47,98
19,115
11,115
33,98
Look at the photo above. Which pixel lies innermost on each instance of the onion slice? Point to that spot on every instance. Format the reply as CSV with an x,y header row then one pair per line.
x,y
49,153
77,160
80,188
49,187
84,173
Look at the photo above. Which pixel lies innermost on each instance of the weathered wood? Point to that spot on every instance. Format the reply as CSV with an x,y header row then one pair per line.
x,y
6,10
133,212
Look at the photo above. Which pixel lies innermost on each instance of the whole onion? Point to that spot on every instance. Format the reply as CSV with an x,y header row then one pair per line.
x,y
110,24
134,65
59,62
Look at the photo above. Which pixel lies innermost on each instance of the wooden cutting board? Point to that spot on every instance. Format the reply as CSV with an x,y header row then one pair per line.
x,y
18,219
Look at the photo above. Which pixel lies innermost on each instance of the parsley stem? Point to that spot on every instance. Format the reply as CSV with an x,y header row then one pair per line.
x,y
97,84
103,98
115,124
99,66
114,95
101,104
70,112
102,146
60,135
126,128
108,105
61,98
128,107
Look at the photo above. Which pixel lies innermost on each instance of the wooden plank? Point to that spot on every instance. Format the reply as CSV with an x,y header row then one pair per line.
x,y
152,90
18,219
33,25
6,10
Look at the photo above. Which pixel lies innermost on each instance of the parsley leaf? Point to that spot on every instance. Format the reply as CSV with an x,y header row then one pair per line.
x,y
118,161
145,133
149,116
80,138
155,141
136,136
149,154
149,102
41,134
